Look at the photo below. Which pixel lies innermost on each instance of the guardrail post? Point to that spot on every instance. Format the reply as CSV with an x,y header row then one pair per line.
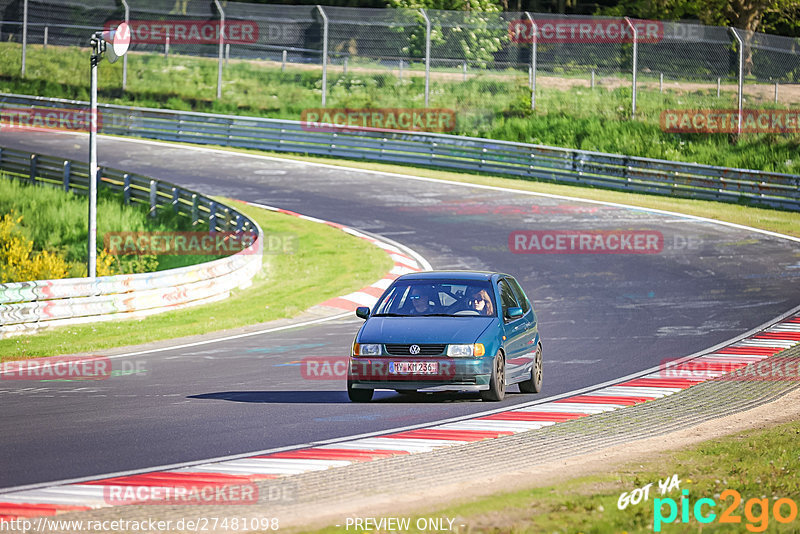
x,y
534,31
221,46
126,187
212,216
324,54
239,223
195,210
153,197
175,199
98,178
67,170
635,54
33,164
427,55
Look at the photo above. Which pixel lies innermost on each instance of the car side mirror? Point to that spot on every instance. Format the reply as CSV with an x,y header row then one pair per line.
x,y
362,312
514,313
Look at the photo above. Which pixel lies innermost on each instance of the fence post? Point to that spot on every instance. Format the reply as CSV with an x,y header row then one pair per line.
x,y
592,84
635,54
344,66
24,34
776,92
44,39
195,210
34,162
283,61
212,216
660,82
166,44
741,76
125,56
324,55
719,81
400,73
427,55
67,170
221,46
534,32
126,188
153,197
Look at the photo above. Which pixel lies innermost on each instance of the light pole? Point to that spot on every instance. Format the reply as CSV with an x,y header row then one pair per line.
x,y
119,39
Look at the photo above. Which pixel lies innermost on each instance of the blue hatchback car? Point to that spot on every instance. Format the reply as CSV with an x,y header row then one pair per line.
x,y
447,331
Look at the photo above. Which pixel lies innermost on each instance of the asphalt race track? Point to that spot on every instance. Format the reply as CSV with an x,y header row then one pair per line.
x,y
602,316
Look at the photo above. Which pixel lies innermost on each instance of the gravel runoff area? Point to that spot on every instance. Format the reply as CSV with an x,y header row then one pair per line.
x,y
419,482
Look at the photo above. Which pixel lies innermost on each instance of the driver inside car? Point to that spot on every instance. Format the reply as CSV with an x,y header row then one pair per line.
x,y
421,300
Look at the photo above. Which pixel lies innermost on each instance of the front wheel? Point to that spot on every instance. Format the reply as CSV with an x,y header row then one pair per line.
x,y
497,381
358,395
534,383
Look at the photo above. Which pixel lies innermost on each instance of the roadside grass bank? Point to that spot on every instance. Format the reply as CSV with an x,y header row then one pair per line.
x,y
784,222
56,221
757,464
326,263
486,105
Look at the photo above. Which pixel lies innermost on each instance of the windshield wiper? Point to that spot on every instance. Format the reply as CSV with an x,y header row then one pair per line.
x,y
390,315
436,315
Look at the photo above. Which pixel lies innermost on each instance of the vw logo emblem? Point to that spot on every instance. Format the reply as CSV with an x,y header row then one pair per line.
x,y
413,349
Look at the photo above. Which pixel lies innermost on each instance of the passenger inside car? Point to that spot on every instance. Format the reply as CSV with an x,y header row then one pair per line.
x,y
480,302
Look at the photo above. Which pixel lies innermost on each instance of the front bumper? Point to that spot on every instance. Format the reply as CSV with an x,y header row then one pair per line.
x,y
453,374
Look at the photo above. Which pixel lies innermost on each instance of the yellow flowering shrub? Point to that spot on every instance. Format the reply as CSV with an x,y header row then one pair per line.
x,y
18,262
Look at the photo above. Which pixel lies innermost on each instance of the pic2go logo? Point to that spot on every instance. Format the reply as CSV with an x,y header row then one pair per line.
x,y
783,511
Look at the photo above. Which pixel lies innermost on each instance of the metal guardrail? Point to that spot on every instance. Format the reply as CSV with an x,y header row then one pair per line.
x,y
539,162
30,306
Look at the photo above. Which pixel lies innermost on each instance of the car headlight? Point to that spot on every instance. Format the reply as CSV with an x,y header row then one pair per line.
x,y
366,349
465,351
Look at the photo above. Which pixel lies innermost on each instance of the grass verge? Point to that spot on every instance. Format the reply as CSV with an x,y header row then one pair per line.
x,y
757,464
49,218
326,263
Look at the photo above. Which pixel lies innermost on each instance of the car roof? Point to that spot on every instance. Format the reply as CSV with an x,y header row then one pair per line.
x,y
450,275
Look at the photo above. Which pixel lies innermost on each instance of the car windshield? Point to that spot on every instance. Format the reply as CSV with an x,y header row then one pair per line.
x,y
438,298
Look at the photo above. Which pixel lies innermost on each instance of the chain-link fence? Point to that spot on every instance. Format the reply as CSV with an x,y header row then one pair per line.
x,y
478,64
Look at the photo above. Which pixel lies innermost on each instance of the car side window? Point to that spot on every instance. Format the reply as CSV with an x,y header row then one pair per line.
x,y
521,297
507,297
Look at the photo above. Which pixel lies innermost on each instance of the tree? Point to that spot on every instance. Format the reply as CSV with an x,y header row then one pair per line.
x,y
471,30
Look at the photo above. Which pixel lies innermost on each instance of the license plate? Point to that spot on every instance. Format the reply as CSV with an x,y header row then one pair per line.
x,y
413,368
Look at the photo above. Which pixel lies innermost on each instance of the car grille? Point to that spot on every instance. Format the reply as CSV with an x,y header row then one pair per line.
x,y
428,349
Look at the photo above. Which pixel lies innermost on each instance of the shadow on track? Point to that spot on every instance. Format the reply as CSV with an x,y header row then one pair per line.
x,y
332,397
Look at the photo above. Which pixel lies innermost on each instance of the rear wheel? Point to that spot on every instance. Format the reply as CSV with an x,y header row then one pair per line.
x,y
497,381
534,383
358,395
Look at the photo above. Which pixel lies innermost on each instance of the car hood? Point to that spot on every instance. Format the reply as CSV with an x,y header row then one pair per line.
x,y
424,329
